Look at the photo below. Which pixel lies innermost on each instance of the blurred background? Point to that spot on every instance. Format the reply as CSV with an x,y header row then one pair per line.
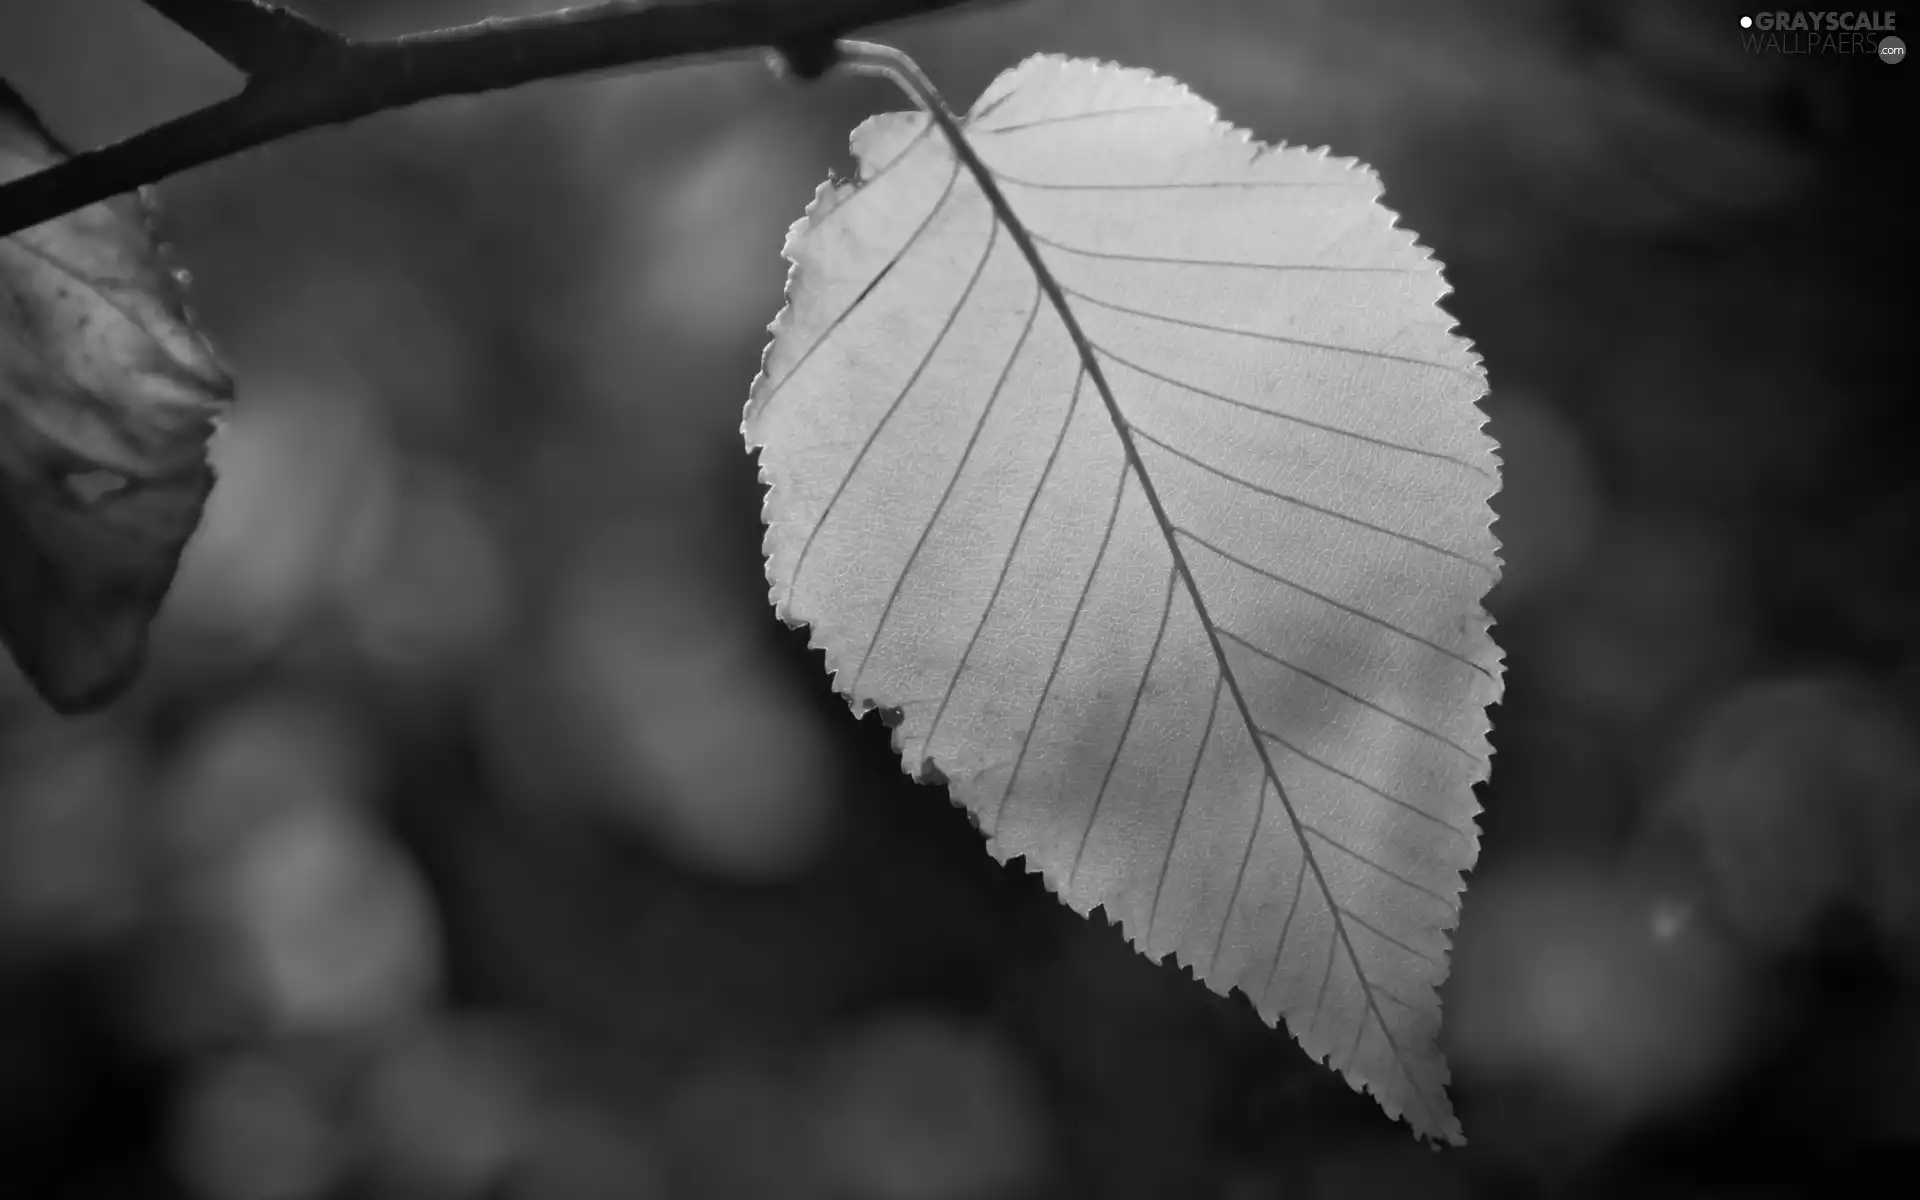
x,y
478,831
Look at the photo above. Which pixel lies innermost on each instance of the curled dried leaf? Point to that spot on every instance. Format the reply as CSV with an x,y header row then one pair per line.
x,y
108,396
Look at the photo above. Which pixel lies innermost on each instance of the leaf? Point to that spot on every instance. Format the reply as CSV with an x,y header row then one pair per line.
x,y
1184,608
107,399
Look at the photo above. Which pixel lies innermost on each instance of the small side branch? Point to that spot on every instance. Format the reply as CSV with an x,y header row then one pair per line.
x,y
301,77
257,37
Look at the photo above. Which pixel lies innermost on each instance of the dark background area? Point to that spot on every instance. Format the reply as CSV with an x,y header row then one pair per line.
x,y
478,831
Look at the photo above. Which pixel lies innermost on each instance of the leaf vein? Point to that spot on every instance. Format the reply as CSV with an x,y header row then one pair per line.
x,y
1356,780
1066,118
1270,656
1225,263
1289,417
862,185
926,531
833,327
1388,938
1133,710
1277,338
1073,623
1359,1030
1326,977
1006,564
1350,852
1246,856
1297,502
860,459
1330,601
1186,797
1286,928
1043,185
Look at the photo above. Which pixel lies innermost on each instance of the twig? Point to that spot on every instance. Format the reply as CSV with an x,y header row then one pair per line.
x,y
301,76
256,37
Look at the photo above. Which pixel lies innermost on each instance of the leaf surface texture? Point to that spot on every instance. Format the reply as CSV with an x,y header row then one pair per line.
x,y
1184,609
108,396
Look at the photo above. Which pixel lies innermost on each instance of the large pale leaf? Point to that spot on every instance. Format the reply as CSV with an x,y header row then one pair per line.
x,y
1189,617
107,398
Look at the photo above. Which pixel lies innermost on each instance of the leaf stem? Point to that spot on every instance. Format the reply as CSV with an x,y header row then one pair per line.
x,y
301,76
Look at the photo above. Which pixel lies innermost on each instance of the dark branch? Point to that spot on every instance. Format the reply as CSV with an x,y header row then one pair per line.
x,y
344,80
257,37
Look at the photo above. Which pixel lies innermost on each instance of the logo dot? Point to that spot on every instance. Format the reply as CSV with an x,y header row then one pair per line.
x,y
1746,22
1892,49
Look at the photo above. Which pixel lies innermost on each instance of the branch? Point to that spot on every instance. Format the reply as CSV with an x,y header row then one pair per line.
x,y
337,79
257,37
